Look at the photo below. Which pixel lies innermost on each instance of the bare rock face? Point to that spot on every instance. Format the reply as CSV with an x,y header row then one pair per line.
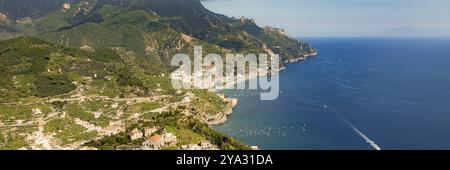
x,y
3,17
221,118
66,6
233,102
276,30
247,20
25,20
86,48
186,38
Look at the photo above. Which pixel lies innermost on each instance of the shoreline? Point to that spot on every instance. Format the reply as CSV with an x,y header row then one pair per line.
x,y
224,116
229,83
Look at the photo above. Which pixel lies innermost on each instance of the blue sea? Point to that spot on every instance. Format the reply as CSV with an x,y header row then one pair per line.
x,y
357,94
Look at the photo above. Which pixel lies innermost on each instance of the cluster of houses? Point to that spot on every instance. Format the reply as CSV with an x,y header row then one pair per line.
x,y
155,141
113,128
204,145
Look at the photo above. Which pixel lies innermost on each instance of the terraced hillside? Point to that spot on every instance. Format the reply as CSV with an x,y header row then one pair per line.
x,y
57,97
94,74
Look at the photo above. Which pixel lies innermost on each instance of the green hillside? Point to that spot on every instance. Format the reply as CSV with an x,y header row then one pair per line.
x,y
74,98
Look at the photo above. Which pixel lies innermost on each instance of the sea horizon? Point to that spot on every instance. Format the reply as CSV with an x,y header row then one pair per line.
x,y
358,93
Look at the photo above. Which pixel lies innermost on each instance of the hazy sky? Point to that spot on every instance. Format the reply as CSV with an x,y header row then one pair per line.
x,y
305,18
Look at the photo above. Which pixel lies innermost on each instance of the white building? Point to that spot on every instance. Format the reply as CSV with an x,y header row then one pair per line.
x,y
150,131
136,134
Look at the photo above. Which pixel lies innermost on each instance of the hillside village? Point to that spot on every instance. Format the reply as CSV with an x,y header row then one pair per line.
x,y
96,74
85,107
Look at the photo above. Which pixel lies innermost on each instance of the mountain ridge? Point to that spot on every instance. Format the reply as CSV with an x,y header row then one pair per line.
x,y
188,17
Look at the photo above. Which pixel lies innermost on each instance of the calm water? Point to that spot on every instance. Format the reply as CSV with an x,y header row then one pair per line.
x,y
392,92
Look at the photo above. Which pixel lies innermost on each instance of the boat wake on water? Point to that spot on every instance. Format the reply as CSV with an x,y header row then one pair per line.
x,y
364,136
